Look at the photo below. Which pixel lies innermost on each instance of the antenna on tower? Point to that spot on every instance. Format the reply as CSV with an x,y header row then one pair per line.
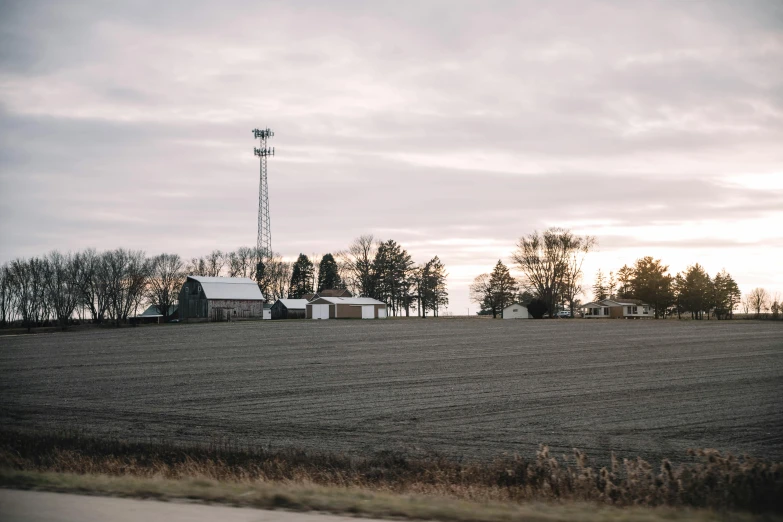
x,y
264,240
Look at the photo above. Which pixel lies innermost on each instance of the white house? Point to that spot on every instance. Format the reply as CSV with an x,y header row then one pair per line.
x,y
515,311
617,308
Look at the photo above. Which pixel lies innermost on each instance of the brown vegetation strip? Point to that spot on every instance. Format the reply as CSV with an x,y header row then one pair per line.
x,y
711,481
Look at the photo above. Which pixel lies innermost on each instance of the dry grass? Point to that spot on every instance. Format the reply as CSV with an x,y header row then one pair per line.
x,y
710,480
355,501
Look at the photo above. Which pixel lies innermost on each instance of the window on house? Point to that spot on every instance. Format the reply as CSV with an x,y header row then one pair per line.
x,y
635,310
646,310
606,311
629,310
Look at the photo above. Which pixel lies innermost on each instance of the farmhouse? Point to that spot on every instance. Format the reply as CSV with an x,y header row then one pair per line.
x,y
617,309
346,308
515,311
289,309
220,299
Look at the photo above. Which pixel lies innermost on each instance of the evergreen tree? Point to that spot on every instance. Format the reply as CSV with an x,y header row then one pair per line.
x,y
301,278
611,286
696,291
328,274
494,291
503,286
392,271
600,287
623,285
537,308
726,295
652,284
433,292
525,298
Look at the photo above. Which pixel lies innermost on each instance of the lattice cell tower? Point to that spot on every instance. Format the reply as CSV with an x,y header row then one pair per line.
x,y
264,242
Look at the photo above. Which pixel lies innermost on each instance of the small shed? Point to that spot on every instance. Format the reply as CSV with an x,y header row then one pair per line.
x,y
346,308
516,311
220,299
152,315
289,309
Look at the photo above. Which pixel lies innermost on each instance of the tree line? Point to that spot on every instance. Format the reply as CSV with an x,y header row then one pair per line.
x,y
691,291
551,267
101,286
111,286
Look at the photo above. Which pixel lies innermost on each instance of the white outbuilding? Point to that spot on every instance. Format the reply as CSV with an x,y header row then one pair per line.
x,y
346,308
515,311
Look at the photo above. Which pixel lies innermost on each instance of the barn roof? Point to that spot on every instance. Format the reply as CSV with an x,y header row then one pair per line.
x,y
240,288
293,304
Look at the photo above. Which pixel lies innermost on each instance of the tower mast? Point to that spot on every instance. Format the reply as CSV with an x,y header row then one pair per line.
x,y
264,239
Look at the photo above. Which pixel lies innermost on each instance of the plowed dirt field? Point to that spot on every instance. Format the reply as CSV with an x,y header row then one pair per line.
x,y
463,387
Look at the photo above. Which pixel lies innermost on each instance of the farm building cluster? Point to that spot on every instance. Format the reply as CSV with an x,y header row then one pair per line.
x,y
216,299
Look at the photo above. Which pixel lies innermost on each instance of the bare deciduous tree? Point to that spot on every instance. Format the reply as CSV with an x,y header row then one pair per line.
x,y
167,275
758,299
551,263
62,285
275,279
216,260
357,263
128,273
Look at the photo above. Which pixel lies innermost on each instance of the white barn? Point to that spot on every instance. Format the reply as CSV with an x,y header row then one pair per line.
x,y
516,311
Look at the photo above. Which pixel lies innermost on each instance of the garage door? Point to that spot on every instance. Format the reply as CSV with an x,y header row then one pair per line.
x,y
381,313
320,311
368,312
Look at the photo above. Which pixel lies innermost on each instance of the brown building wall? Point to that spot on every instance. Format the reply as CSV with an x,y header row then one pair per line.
x,y
347,311
616,312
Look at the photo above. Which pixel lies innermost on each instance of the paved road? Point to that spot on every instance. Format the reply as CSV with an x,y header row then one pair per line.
x,y
37,506
462,387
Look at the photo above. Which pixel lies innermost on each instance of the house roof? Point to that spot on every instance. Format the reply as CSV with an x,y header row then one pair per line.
x,y
152,311
240,288
515,304
334,292
615,302
356,301
293,304
623,302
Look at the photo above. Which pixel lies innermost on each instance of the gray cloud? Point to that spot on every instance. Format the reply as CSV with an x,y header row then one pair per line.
x,y
452,127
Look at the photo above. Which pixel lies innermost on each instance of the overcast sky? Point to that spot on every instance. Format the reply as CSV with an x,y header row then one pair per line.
x,y
451,127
